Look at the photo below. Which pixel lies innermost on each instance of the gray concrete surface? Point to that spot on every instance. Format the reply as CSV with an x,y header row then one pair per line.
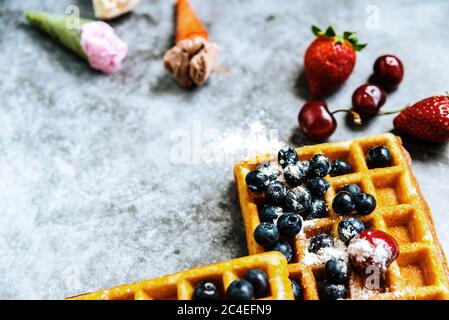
x,y
94,190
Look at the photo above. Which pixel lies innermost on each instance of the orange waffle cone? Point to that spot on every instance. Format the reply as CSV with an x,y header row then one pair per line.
x,y
188,24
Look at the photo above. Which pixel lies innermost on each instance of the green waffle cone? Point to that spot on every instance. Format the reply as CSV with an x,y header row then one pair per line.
x,y
58,27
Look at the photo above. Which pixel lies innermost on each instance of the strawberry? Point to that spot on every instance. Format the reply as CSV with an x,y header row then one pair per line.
x,y
426,120
329,60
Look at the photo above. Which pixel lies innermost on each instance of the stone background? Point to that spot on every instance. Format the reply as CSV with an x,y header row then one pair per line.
x,y
94,189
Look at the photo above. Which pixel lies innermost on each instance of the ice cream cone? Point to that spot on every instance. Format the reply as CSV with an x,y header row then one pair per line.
x,y
64,29
188,26
94,41
110,9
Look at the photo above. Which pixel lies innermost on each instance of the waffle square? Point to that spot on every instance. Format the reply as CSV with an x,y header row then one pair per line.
x,y
180,286
420,271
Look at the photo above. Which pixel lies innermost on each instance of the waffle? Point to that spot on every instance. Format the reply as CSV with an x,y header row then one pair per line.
x,y
180,286
420,271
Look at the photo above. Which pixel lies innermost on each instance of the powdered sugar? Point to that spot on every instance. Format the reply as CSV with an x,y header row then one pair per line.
x,y
338,251
378,253
271,169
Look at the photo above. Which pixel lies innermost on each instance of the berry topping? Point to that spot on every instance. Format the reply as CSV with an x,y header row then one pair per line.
x,y
284,248
372,248
388,71
270,213
206,290
318,186
320,241
367,99
364,203
336,271
319,166
240,290
348,228
339,168
296,173
379,157
353,189
259,280
289,224
276,192
316,121
266,234
297,290
318,209
287,155
343,203
330,291
298,199
256,181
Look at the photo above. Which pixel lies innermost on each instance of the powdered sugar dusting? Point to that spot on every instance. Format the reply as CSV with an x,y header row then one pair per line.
x,y
273,169
361,250
338,251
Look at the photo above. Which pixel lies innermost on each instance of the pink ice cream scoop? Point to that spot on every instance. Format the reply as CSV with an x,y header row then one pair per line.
x,y
104,50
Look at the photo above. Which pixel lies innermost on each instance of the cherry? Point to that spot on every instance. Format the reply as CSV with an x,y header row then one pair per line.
x,y
388,71
367,99
372,248
317,122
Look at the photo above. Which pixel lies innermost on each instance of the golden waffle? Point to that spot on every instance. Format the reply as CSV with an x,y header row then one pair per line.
x,y
420,271
180,286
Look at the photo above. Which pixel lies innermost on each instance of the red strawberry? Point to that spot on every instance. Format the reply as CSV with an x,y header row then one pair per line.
x,y
427,119
329,60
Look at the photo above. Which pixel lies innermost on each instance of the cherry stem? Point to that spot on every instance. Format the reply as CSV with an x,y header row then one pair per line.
x,y
356,116
386,113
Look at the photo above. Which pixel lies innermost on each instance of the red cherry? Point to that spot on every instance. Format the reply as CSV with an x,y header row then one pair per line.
x,y
316,121
367,99
388,71
372,248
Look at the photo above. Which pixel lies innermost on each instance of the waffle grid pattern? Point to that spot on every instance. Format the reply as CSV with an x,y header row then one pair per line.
x,y
420,272
180,286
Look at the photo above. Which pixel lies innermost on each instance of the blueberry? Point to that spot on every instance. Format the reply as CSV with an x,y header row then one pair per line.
x,y
343,203
297,290
289,224
318,186
329,291
276,192
320,241
336,271
258,179
270,213
266,234
259,280
318,209
240,290
379,157
284,248
295,174
206,290
353,189
298,199
340,167
364,203
319,166
348,228
287,155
